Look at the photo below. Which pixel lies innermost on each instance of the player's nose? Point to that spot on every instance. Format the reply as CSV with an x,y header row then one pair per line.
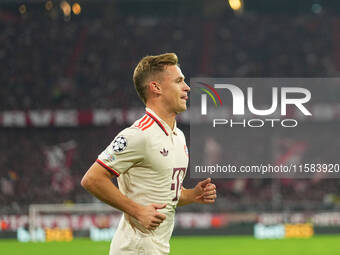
x,y
186,87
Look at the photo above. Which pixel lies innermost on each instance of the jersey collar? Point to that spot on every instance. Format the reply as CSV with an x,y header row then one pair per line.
x,y
161,123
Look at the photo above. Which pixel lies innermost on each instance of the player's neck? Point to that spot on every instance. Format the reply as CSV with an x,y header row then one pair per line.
x,y
168,117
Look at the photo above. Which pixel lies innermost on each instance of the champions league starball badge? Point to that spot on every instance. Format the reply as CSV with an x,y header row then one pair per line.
x,y
119,144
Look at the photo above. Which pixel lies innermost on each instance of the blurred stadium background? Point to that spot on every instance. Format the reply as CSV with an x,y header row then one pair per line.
x,y
66,90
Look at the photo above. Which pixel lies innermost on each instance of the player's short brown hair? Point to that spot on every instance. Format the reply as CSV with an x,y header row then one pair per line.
x,y
151,65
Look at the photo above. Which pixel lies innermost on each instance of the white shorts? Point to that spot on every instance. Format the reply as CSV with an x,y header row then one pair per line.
x,y
129,241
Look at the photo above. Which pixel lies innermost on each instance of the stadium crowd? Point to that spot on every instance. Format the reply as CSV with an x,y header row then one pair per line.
x,y
56,64
87,63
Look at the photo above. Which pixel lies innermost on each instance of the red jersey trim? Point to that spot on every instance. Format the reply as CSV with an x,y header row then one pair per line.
x,y
158,122
107,168
145,123
140,123
149,125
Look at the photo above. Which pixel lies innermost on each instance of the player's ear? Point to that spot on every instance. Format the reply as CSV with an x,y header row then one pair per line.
x,y
155,87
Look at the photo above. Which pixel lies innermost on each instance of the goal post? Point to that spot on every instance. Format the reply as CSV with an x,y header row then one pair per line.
x,y
71,215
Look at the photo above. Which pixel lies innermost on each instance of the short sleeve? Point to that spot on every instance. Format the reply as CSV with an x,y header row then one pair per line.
x,y
126,150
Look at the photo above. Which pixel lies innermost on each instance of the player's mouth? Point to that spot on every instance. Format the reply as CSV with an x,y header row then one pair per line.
x,y
184,98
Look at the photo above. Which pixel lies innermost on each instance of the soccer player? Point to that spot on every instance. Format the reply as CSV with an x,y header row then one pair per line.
x,y
150,158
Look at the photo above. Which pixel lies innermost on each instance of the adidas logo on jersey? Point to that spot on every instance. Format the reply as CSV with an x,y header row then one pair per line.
x,y
164,152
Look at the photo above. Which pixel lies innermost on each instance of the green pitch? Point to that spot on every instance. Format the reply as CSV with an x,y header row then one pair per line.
x,y
321,245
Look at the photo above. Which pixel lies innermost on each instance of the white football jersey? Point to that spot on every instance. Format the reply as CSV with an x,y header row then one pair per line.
x,y
150,160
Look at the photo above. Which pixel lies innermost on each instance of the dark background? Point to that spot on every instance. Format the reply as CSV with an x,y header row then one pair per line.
x,y
53,61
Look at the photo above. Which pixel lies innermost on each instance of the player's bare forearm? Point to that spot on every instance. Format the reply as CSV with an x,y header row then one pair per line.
x,y
97,181
204,193
187,197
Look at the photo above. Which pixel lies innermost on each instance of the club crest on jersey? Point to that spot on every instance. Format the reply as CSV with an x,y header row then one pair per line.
x,y
119,144
164,152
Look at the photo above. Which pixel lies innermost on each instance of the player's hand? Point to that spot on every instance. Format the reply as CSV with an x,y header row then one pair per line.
x,y
149,217
205,192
